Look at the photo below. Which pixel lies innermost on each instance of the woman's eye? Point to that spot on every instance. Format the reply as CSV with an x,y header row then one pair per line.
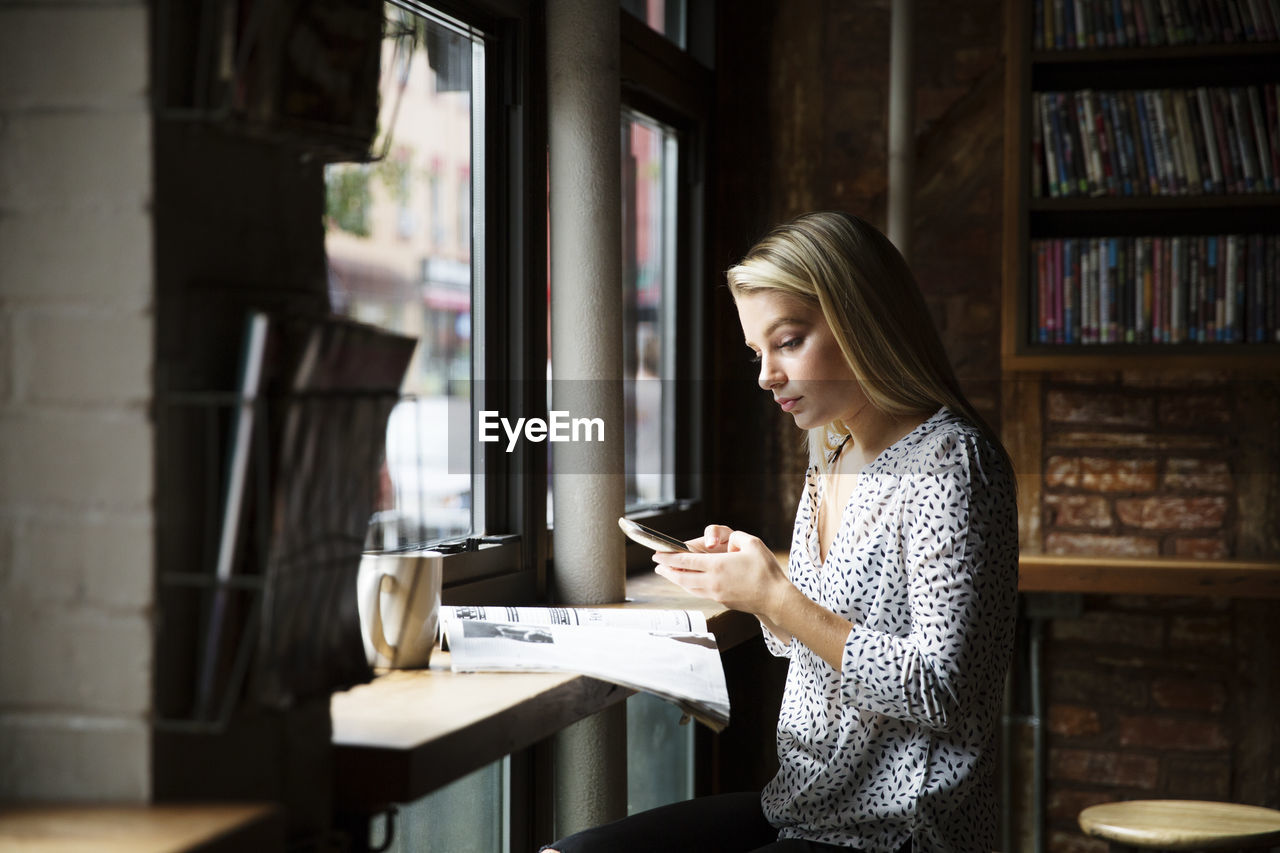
x,y
755,357
790,343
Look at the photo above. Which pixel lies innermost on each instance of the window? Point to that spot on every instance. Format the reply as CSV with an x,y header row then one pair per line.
x,y
660,752
650,160
442,235
666,98
394,275
424,239
468,814
668,17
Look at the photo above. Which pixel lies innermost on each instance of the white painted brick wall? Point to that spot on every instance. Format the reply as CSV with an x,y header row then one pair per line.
x,y
90,459
76,446
96,553
77,356
50,58
87,759
76,660
6,340
6,551
65,254
69,159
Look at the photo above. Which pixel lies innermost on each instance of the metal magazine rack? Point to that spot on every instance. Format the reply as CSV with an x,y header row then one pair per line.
x,y
264,497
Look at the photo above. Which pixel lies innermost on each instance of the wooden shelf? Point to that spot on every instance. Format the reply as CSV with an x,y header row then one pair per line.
x,y
1027,218
1154,576
1160,203
1240,358
1163,53
1140,216
1153,67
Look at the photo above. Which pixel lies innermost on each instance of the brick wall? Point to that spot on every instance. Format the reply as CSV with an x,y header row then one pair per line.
x,y
1149,696
76,459
1140,696
824,69
1139,466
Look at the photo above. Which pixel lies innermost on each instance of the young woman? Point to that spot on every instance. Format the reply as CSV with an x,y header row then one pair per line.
x,y
897,606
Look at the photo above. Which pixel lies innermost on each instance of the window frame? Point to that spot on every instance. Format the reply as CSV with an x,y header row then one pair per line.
x,y
667,84
506,559
503,560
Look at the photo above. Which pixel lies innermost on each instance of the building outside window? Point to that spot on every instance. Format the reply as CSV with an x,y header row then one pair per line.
x,y
668,17
650,161
386,269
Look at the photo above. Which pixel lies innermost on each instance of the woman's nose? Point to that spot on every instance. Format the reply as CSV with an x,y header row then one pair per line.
x,y
770,375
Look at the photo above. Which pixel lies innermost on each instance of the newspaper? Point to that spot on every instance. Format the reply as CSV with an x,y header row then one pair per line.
x,y
668,653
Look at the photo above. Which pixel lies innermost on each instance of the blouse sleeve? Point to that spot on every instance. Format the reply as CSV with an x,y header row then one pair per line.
x,y
959,545
775,646
799,537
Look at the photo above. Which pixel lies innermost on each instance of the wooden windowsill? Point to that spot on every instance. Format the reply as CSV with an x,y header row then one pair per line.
x,y
1152,576
409,732
144,828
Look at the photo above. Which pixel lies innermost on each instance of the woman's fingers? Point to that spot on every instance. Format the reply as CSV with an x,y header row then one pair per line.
x,y
679,560
712,540
692,581
739,573
740,541
715,537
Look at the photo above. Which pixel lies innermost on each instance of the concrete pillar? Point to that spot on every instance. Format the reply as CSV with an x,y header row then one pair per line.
x,y
586,295
902,119
586,358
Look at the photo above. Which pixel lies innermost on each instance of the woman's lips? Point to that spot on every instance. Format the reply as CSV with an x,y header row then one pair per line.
x,y
788,403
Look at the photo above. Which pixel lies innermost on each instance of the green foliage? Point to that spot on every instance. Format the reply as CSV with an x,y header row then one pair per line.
x,y
348,198
394,172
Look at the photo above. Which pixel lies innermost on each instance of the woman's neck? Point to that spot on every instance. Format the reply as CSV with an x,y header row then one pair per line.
x,y
873,432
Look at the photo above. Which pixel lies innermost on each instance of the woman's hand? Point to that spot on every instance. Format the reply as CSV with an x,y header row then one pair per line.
x,y
714,540
731,567
737,570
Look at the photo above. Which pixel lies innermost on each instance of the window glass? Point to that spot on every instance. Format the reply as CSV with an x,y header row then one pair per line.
x,y
667,17
401,239
467,815
659,754
649,194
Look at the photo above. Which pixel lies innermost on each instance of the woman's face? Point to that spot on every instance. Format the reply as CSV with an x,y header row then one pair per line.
x,y
800,362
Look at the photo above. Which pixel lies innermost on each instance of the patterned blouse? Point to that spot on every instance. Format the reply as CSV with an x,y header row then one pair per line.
x,y
902,742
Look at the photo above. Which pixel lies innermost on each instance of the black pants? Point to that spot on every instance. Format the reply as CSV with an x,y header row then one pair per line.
x,y
728,823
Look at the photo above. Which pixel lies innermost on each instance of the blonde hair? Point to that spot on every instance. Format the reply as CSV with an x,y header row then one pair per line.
x,y
870,299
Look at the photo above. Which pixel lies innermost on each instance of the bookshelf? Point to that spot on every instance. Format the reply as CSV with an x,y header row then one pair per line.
x,y
1171,318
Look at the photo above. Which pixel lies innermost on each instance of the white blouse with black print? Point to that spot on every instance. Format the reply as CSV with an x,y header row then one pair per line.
x,y
901,742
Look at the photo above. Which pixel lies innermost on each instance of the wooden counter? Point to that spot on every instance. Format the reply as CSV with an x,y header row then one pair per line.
x,y
1152,576
154,828
409,732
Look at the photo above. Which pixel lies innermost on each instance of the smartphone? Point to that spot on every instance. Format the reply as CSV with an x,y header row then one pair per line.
x,y
650,538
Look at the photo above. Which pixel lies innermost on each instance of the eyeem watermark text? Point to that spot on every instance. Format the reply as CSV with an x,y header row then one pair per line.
x,y
560,427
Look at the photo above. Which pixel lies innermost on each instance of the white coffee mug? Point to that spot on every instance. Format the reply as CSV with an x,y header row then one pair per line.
x,y
398,593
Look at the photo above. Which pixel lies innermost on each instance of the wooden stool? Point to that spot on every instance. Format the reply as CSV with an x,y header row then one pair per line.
x,y
1181,825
